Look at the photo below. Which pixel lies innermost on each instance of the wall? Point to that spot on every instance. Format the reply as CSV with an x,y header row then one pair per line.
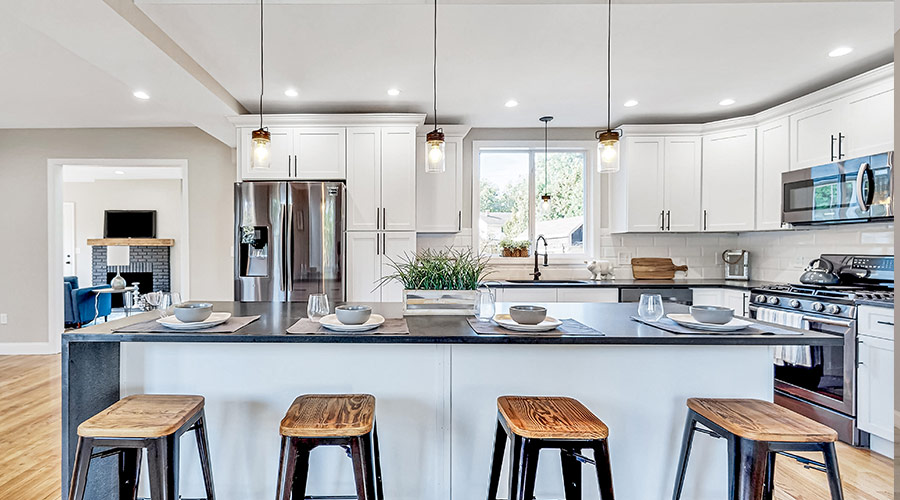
x,y
93,198
23,203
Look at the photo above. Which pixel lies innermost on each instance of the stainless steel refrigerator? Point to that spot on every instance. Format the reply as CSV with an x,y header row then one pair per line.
x,y
289,241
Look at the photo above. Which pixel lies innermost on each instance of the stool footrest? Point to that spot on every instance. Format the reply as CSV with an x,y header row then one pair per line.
x,y
107,453
330,497
708,432
808,463
581,458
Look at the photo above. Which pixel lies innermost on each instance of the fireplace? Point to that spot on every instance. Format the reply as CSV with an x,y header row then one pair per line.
x,y
148,265
144,281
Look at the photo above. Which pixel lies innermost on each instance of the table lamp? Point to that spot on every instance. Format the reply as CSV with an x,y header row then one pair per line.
x,y
117,256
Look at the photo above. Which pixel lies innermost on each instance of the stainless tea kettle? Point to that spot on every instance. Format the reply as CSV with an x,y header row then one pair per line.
x,y
816,274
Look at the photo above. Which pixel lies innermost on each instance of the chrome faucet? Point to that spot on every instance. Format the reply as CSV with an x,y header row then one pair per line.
x,y
537,271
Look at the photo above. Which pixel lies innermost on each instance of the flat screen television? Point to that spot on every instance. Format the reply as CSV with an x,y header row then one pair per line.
x,y
129,224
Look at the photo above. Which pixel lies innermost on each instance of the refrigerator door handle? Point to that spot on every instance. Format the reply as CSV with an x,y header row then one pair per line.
x,y
289,253
283,245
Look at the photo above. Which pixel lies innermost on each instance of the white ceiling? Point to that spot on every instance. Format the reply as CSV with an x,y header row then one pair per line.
x,y
679,60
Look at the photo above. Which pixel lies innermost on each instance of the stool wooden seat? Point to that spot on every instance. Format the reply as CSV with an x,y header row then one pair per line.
x,y
346,420
756,432
323,415
550,418
142,415
152,421
534,423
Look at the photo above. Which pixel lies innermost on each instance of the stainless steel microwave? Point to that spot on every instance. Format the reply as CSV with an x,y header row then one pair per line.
x,y
857,190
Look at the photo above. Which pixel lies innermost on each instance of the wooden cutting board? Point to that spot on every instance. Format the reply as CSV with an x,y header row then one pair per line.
x,y
654,268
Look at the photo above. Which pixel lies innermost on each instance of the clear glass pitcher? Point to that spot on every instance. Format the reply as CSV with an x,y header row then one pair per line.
x,y
485,303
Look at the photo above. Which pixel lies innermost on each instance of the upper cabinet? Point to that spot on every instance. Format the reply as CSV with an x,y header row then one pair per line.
x,y
302,153
729,176
281,155
682,183
439,197
772,159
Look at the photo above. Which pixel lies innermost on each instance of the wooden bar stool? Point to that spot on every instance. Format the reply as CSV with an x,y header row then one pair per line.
x,y
536,423
151,421
756,431
346,420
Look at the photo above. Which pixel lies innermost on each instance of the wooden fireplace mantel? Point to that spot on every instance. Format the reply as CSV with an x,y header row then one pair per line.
x,y
131,242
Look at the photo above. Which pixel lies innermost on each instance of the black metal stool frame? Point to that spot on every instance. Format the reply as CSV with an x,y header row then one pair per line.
x,y
749,475
524,461
163,455
293,468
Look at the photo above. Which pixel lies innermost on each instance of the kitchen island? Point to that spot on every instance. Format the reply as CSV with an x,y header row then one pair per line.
x,y
436,389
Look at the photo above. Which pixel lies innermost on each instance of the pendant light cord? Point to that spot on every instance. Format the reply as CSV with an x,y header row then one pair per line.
x,y
434,66
546,166
262,81
609,65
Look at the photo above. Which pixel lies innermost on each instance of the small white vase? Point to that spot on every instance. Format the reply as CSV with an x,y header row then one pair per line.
x,y
118,282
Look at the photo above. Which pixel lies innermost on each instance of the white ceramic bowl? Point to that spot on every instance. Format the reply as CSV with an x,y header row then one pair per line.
x,y
716,315
353,315
527,315
193,313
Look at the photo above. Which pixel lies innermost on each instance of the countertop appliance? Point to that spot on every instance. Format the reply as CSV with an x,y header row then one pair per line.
x,y
856,190
737,264
289,241
820,382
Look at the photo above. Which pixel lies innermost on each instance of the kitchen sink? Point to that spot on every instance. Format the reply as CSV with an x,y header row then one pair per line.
x,y
548,282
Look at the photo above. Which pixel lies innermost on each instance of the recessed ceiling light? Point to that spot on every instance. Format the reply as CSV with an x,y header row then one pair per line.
x,y
291,93
631,103
140,94
511,103
840,51
393,92
726,102
119,172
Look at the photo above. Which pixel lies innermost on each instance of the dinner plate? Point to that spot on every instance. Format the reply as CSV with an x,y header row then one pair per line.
x,y
176,324
331,322
688,321
505,321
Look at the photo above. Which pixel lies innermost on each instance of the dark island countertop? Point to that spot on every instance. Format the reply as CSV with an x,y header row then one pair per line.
x,y
632,283
612,320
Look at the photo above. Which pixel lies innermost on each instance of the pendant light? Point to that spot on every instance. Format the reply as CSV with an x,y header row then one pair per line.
x,y
608,145
434,148
545,198
261,139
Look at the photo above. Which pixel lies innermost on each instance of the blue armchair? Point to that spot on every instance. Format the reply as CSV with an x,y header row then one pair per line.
x,y
79,302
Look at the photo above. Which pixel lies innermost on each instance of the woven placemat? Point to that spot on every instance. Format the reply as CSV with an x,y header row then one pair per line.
x,y
233,324
568,327
391,326
673,327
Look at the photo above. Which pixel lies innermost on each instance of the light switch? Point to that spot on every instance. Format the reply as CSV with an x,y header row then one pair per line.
x,y
3,319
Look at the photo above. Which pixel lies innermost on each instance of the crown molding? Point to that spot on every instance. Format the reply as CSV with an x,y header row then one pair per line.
x,y
449,130
341,119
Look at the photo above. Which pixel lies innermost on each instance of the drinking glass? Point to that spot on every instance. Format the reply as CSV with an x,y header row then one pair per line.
x,y
651,307
317,307
166,301
485,304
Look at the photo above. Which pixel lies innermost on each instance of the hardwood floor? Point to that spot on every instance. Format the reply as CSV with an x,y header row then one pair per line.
x,y
30,444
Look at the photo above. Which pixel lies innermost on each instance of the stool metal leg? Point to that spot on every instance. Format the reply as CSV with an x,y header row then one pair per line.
x,y
80,468
301,472
496,461
769,493
363,470
515,466
834,474
747,468
379,487
571,474
530,454
604,470
686,441
129,473
205,463
162,458
286,466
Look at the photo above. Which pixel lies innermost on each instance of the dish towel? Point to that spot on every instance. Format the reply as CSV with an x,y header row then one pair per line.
x,y
797,355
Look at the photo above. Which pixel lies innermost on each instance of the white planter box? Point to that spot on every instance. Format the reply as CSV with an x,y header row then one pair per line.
x,y
439,302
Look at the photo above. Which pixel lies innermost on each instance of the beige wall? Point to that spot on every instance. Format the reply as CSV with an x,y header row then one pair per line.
x,y
23,211
91,199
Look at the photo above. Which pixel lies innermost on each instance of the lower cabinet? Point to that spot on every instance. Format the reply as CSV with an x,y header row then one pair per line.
x,y
369,254
725,297
544,294
875,376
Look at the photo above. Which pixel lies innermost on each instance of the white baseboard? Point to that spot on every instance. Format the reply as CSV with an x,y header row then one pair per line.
x,y
29,348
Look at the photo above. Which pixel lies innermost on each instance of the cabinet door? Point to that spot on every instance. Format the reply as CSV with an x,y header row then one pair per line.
x,y
642,162
811,133
363,179
398,178
525,294
729,177
875,401
363,266
439,196
321,153
737,300
395,247
682,183
708,297
773,156
868,125
607,295
280,156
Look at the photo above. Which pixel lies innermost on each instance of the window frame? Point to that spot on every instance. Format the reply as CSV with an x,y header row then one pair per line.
x,y
591,194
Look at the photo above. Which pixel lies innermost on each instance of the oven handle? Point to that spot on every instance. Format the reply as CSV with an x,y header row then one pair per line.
x,y
828,321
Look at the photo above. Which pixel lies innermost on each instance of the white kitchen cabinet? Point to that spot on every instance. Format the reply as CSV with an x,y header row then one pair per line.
x,y
682,183
369,254
876,321
868,125
724,297
281,155
527,294
708,297
875,383
439,196
320,153
729,177
773,155
814,135
398,178
381,179
596,295
363,179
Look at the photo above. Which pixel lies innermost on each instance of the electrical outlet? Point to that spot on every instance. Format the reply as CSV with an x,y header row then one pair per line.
x,y
3,319
800,262
623,259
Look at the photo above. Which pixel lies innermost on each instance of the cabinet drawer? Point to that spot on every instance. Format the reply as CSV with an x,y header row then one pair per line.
x,y
533,295
587,295
876,322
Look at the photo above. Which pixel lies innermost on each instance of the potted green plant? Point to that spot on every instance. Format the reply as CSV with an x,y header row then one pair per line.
x,y
514,248
439,281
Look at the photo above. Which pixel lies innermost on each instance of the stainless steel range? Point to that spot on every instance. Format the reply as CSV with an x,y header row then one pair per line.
x,y
817,381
